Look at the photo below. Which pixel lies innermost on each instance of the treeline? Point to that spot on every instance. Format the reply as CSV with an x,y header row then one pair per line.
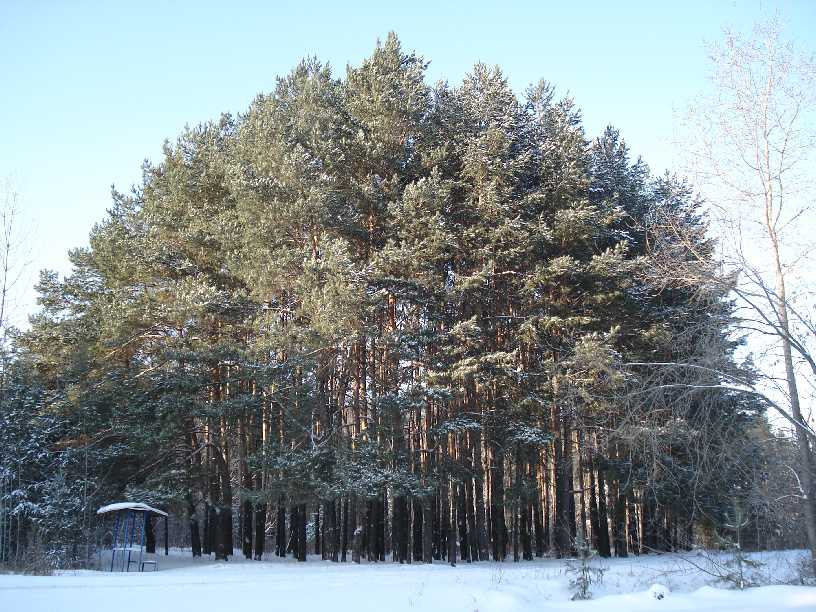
x,y
372,317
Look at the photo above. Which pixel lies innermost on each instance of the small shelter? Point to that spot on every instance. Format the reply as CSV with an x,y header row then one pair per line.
x,y
133,519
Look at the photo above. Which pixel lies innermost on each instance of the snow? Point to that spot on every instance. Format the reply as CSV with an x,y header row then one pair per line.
x,y
129,506
629,585
658,591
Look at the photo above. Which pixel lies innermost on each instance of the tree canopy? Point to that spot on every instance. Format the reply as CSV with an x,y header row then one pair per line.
x,y
377,315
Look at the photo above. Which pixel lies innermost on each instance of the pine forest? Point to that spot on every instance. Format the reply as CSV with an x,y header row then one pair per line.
x,y
372,319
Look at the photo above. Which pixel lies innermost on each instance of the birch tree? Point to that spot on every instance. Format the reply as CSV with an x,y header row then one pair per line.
x,y
751,150
13,259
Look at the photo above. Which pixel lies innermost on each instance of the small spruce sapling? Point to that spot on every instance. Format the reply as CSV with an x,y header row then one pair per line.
x,y
584,573
738,564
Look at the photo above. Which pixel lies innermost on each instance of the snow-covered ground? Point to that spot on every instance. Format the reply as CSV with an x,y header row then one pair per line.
x,y
182,585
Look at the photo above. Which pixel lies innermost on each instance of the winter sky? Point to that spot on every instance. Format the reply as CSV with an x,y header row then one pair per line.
x,y
88,90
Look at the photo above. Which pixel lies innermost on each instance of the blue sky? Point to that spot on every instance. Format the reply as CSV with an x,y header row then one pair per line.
x,y
90,89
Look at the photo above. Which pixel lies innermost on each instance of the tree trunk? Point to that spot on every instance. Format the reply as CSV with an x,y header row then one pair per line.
x,y
479,500
345,544
302,516
604,549
223,531
498,525
427,530
195,536
451,508
260,530
619,525
594,523
417,529
246,528
280,532
461,514
806,461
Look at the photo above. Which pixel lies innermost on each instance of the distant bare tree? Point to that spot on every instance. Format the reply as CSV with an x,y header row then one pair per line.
x,y
14,257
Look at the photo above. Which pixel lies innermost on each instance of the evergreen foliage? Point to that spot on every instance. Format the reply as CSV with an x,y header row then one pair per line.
x,y
372,312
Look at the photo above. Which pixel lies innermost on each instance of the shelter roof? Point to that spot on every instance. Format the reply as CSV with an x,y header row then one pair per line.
x,y
130,506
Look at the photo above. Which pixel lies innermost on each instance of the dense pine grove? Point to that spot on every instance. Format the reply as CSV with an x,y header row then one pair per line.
x,y
372,318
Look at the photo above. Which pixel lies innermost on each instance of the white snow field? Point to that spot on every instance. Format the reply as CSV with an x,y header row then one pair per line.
x,y
184,585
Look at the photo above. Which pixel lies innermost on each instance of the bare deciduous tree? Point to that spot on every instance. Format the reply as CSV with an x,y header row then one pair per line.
x,y
751,142
14,253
